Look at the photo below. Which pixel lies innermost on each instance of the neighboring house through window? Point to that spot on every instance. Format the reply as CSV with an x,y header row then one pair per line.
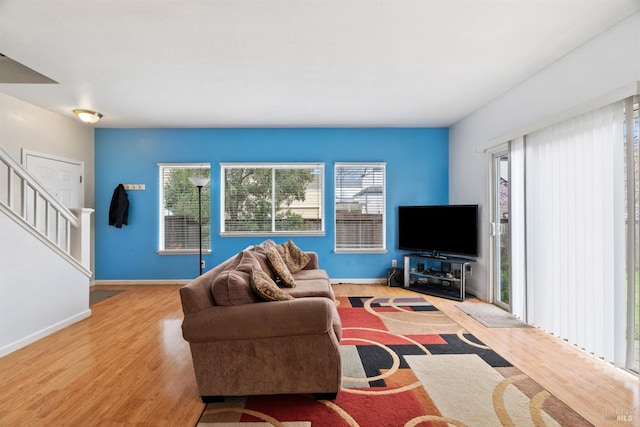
x,y
272,199
360,211
179,213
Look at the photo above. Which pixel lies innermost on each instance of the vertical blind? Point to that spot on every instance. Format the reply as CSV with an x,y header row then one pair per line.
x,y
632,167
179,213
360,207
575,237
517,228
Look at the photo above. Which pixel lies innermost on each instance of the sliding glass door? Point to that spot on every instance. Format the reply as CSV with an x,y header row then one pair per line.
x,y
501,231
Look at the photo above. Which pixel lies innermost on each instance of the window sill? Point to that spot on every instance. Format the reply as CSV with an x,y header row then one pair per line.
x,y
183,252
265,234
359,251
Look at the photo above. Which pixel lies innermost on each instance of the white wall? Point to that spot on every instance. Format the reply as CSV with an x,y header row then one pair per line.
x,y
40,292
590,73
25,126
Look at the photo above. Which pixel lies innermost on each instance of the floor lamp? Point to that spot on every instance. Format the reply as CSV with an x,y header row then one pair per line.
x,y
200,182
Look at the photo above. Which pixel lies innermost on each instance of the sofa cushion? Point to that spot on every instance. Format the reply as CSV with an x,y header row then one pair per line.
x,y
260,253
294,258
231,263
248,261
233,286
312,288
280,268
266,288
310,275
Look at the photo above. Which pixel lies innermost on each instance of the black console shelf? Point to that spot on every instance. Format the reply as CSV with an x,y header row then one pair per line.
x,y
438,276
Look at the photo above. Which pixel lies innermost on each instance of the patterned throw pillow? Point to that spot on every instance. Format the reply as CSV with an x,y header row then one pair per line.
x,y
280,268
294,258
266,288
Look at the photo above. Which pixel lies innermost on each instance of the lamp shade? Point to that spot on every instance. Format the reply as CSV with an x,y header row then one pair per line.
x,y
199,182
87,116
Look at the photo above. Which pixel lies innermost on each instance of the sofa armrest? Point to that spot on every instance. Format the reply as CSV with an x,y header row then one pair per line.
x,y
301,316
313,261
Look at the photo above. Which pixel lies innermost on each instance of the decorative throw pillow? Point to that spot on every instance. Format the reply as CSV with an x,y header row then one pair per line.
x,y
294,258
267,243
280,268
266,288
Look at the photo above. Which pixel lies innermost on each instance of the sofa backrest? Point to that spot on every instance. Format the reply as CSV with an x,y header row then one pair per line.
x,y
197,295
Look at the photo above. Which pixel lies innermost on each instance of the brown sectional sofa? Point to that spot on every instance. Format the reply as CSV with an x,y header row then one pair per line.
x,y
242,345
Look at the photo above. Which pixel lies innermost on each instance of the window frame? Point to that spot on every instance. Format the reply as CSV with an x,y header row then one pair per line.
x,y
274,166
162,250
361,250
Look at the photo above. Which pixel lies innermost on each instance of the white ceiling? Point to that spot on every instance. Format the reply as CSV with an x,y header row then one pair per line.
x,y
249,63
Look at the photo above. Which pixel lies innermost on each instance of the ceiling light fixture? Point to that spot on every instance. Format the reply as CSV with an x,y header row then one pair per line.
x,y
87,116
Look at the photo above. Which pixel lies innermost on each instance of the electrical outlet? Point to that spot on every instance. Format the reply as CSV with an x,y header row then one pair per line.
x,y
202,264
394,263
469,270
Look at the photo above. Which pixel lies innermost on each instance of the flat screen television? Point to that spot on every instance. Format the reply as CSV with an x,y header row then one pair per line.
x,y
439,230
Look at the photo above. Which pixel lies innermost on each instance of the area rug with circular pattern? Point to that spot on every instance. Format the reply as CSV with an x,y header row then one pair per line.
x,y
405,363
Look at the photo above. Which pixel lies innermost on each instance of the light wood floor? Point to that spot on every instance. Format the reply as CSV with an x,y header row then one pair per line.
x,y
128,365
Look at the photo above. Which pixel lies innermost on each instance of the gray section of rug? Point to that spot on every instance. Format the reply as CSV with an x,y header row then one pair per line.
x,y
492,316
101,295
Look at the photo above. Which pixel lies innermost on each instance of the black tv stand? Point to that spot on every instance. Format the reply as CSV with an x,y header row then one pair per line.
x,y
432,255
437,275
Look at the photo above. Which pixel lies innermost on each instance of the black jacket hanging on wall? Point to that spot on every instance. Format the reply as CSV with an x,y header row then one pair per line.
x,y
119,209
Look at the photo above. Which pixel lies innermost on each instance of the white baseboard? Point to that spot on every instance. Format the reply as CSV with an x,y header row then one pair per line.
x,y
477,294
23,342
140,282
375,281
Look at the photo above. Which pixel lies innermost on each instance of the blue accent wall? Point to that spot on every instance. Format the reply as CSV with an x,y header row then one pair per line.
x,y
417,173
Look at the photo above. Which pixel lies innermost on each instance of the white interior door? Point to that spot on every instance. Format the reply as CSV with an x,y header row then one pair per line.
x,y
61,177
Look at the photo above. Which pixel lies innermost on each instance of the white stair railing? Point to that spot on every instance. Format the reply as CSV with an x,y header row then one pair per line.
x,y
28,202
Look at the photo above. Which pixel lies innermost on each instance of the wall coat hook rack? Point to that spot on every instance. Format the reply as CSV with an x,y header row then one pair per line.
x,y
133,186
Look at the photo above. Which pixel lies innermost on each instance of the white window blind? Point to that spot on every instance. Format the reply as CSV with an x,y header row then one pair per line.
x,y
178,200
575,243
632,200
517,224
272,198
360,208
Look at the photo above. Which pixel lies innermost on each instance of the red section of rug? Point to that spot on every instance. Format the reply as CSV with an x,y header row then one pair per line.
x,y
360,318
292,408
380,410
358,335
